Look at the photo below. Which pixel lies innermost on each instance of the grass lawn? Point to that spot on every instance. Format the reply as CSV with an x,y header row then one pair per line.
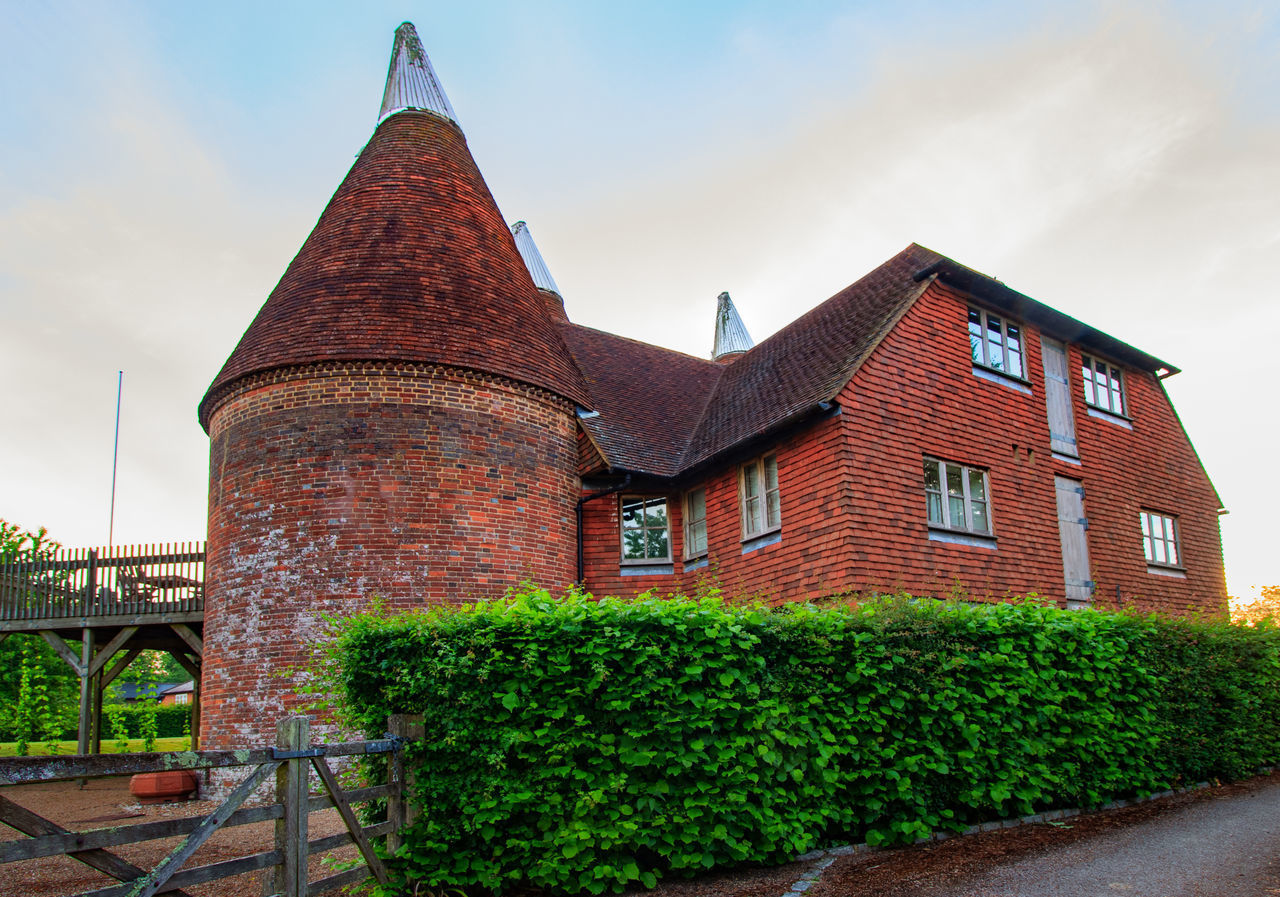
x,y
182,743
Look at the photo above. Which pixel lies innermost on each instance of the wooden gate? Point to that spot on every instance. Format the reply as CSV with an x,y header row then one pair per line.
x,y
291,760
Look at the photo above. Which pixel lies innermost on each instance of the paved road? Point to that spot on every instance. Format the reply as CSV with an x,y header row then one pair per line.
x,y
1227,846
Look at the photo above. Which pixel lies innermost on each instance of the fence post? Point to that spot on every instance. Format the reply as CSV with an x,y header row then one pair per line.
x,y
290,877
401,812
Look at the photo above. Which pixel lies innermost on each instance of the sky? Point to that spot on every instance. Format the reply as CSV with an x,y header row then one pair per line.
x,y
161,163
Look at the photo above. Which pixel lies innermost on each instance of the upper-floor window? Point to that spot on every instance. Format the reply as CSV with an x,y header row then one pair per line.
x,y
1160,539
646,533
996,343
1103,385
956,496
695,523
761,511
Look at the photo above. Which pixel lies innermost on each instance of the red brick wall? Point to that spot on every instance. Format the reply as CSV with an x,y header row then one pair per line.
x,y
807,562
852,494
332,484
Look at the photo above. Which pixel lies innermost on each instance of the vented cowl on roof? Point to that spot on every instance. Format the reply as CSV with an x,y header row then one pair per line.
x,y
732,338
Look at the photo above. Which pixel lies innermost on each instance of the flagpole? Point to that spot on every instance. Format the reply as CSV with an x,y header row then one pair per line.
x,y
115,457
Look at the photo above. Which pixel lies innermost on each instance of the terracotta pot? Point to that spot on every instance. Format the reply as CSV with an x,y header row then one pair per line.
x,y
163,787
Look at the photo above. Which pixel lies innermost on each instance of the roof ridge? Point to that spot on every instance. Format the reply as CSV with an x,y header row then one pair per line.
x,y
639,342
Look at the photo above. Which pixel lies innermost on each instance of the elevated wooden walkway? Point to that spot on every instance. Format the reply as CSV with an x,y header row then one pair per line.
x,y
115,602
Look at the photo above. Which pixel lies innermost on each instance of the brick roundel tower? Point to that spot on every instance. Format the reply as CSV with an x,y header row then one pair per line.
x,y
397,421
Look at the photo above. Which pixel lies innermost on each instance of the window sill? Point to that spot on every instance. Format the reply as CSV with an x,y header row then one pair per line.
x,y
1067,459
1171,572
770,538
633,569
956,537
698,563
1017,384
1118,419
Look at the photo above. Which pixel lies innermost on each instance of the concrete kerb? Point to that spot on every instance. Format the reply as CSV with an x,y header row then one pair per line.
x,y
825,857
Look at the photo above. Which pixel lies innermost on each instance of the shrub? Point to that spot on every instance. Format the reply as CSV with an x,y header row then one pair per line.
x,y
582,745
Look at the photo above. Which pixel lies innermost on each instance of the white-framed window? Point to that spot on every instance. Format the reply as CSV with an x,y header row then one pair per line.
x,y
758,491
646,532
695,523
1160,539
996,343
1103,385
956,497
183,698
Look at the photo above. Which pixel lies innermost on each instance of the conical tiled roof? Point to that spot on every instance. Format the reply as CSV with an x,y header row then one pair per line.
x,y
731,334
410,262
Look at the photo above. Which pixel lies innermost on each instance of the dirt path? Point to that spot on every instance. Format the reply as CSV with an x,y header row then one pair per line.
x,y
107,802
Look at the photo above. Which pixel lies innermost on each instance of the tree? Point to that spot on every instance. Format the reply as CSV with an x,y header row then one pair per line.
x,y
39,693
1265,607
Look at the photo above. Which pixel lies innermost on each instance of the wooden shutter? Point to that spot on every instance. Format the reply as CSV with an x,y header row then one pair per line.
x,y
1057,397
1075,547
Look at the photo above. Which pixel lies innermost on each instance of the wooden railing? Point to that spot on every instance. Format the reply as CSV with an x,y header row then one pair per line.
x,y
291,760
123,581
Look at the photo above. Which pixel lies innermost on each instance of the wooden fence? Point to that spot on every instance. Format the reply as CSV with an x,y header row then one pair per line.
x,y
291,760
126,580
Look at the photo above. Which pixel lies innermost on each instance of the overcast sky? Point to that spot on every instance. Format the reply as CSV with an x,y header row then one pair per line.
x,y
161,163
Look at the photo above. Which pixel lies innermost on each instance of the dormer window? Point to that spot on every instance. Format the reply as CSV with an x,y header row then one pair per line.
x,y
1103,386
996,343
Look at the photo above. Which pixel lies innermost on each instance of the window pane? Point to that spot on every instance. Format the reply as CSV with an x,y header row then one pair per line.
x,y
995,343
751,516
632,511
1090,396
1157,526
1014,344
934,501
697,539
633,544
1145,519
931,475
980,524
1159,546
1103,392
655,513
977,485
955,496
1148,548
773,513
771,472
975,335
1173,551
658,543
698,504
750,481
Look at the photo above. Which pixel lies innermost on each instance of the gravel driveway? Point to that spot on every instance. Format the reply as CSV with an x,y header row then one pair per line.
x,y
1220,842
1224,847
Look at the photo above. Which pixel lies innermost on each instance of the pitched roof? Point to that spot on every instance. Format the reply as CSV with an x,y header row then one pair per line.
x,y
646,400
662,412
410,262
810,360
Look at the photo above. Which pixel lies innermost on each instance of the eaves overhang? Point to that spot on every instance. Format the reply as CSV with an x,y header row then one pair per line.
x,y
1050,320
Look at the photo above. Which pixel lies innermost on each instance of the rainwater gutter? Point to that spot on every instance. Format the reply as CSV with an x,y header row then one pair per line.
x,y
612,490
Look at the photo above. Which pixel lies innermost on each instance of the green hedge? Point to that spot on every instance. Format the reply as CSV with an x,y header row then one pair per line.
x,y
579,745
172,721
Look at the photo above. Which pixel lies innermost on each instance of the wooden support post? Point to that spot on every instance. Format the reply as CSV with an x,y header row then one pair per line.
x,y
195,714
84,735
401,811
289,879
